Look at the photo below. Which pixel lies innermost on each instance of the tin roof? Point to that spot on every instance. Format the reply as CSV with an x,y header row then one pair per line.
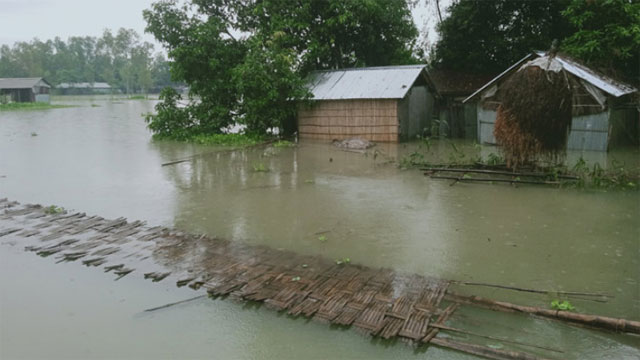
x,y
84,85
602,82
21,83
385,82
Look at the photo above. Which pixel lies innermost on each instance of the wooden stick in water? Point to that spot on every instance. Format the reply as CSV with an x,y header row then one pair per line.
x,y
533,290
447,328
595,321
483,351
175,303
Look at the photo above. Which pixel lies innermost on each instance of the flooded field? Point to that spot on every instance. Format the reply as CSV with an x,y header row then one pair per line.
x,y
312,199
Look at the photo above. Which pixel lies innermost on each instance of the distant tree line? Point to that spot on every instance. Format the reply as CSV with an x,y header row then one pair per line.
x,y
121,59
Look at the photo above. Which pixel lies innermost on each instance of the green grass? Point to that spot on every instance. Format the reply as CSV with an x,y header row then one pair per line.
x,y
283,144
30,106
137,97
218,139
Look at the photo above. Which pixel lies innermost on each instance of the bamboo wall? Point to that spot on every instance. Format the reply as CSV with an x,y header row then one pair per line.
x,y
374,120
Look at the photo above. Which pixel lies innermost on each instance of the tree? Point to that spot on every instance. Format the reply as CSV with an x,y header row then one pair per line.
x,y
246,59
489,36
122,60
607,36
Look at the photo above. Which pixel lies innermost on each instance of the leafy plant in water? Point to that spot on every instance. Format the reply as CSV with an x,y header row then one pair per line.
x,y
52,210
457,156
617,176
413,159
494,159
295,278
322,238
260,167
562,305
343,261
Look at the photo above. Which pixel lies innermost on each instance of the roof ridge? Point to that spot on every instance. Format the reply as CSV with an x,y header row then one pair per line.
x,y
374,68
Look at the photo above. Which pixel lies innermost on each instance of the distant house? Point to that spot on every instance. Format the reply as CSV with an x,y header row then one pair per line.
x,y
456,119
387,104
83,88
24,89
605,111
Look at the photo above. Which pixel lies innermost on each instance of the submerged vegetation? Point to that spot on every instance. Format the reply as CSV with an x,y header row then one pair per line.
x,y
581,175
31,106
53,210
564,305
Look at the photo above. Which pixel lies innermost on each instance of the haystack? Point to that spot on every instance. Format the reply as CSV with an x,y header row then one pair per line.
x,y
534,117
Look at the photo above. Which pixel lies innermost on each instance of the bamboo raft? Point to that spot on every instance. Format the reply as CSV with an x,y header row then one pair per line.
x,y
378,302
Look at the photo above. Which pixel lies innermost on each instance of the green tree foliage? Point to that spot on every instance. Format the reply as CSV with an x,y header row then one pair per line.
x,y
122,60
246,60
607,36
489,36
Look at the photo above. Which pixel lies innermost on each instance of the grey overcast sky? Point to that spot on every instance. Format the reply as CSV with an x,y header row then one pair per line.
x,y
23,20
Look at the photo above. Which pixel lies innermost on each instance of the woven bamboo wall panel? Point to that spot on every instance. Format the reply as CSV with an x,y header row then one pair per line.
x,y
350,121
347,130
374,120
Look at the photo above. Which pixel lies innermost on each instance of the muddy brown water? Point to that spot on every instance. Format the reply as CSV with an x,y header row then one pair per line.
x,y
314,199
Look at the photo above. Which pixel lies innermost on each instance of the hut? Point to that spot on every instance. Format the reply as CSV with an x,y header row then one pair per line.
x,y
24,90
604,111
452,118
83,88
386,104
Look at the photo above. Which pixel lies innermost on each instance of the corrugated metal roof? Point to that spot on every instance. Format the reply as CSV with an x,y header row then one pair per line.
x,y
21,83
602,82
84,85
385,82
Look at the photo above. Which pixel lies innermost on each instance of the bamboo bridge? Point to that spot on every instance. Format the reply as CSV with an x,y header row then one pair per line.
x,y
379,302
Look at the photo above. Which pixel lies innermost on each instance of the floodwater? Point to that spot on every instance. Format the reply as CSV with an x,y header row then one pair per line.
x,y
313,199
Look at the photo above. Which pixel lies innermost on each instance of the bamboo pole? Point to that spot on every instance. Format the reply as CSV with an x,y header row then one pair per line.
x,y
514,181
497,172
483,351
447,328
441,320
216,152
175,303
575,293
601,322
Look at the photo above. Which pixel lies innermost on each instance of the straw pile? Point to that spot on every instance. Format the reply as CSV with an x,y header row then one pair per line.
x,y
534,117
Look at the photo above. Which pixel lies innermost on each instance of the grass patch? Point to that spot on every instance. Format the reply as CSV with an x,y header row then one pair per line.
x,y
283,144
137,97
31,106
217,139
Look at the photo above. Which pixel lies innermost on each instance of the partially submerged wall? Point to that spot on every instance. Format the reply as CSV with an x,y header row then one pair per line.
x,y
374,120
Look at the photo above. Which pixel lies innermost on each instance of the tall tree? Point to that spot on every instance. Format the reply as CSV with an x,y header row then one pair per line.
x,y
488,36
246,59
607,36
